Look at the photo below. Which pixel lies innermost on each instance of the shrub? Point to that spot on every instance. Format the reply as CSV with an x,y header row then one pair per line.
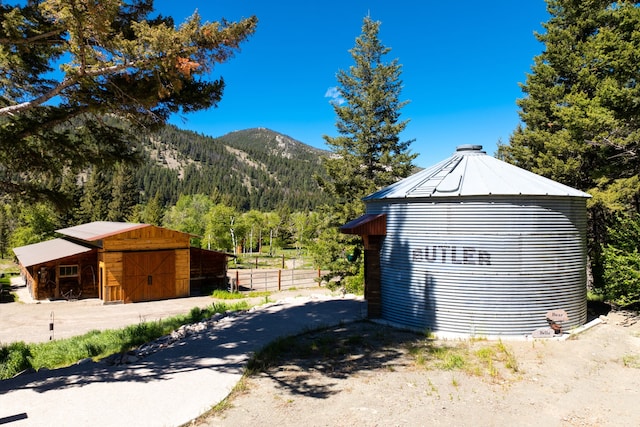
x,y
622,276
621,261
14,358
355,284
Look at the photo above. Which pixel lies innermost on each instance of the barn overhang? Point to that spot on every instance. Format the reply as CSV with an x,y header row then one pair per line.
x,y
48,251
367,225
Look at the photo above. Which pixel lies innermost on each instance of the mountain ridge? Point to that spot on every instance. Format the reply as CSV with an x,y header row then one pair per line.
x,y
255,168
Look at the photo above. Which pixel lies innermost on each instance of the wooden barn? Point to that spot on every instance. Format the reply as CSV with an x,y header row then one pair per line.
x,y
116,262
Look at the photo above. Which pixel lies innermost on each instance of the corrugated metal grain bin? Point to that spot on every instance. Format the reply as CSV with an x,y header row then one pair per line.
x,y
476,246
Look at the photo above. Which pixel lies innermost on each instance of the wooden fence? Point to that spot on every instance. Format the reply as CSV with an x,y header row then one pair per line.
x,y
272,280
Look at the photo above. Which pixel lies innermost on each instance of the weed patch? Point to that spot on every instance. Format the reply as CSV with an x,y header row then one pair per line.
x,y
631,361
474,357
222,294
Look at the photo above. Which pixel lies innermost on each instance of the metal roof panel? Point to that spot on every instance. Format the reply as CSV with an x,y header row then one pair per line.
x,y
97,230
471,172
50,250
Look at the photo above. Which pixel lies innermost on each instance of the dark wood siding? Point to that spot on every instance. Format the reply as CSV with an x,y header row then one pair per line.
x,y
208,270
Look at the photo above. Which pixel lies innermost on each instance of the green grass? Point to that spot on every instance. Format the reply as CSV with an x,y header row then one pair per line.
x,y
474,357
16,357
6,293
222,294
595,297
259,294
631,361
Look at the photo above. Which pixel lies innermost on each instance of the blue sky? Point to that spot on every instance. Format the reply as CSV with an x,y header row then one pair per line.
x,y
461,67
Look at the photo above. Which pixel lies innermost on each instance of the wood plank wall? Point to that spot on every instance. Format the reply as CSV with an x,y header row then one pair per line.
x,y
145,239
113,276
182,273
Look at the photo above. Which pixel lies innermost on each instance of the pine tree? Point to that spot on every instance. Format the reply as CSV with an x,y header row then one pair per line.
x,y
96,196
72,193
153,212
69,66
580,113
368,154
580,110
124,194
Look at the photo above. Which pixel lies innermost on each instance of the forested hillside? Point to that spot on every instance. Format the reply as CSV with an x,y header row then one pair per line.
x,y
249,169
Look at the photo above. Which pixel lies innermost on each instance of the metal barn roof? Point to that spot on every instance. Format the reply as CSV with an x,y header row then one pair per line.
x,y
97,230
471,172
49,250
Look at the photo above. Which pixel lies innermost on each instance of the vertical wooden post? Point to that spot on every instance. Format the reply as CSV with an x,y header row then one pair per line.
x,y
372,288
237,281
279,280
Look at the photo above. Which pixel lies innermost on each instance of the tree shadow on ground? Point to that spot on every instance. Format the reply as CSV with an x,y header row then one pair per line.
x,y
312,364
225,347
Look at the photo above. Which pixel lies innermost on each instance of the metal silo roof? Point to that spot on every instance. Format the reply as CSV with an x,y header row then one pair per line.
x,y
471,172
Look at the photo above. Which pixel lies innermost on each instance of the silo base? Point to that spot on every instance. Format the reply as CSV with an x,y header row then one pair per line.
x,y
436,335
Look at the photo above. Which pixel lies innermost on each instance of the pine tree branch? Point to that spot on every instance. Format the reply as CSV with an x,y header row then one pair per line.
x,y
33,39
67,82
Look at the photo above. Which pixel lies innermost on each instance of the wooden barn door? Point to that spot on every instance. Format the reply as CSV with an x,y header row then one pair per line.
x,y
149,276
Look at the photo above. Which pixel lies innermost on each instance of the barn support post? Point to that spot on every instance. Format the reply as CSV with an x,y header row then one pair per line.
x,y
57,273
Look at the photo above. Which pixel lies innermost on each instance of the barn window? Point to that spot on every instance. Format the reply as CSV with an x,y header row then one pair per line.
x,y
68,271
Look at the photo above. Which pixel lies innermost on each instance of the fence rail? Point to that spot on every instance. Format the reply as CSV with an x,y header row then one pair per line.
x,y
272,280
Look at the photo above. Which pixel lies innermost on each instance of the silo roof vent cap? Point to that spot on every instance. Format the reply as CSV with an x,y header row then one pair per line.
x,y
469,148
